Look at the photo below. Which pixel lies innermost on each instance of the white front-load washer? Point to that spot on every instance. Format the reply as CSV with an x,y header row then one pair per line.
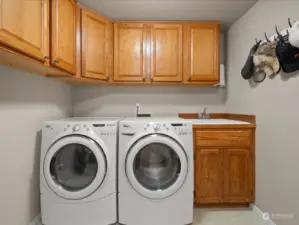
x,y
78,171
155,172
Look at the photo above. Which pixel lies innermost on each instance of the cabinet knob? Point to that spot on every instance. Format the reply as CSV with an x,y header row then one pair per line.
x,y
46,57
56,61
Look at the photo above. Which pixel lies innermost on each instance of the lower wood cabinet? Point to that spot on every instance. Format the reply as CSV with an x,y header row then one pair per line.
x,y
237,175
208,175
223,174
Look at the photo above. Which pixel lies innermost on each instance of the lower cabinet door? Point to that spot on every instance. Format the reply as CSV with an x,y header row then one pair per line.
x,y
208,175
237,175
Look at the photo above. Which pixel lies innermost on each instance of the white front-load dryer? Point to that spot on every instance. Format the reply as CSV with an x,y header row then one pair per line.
x,y
155,171
78,171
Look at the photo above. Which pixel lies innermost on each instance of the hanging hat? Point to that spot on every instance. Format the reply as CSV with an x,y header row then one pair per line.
x,y
265,59
288,56
248,69
294,35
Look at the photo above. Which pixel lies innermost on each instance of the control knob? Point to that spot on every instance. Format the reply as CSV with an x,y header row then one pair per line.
x,y
156,127
76,127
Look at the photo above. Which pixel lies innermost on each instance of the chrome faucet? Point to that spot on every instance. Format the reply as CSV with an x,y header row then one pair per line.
x,y
204,114
137,109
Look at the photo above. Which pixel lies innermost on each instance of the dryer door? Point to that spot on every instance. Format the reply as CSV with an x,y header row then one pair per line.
x,y
156,166
75,167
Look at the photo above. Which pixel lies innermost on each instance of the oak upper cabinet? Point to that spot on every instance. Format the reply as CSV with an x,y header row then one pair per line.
x,y
237,175
24,27
201,52
166,42
63,38
96,46
208,175
130,41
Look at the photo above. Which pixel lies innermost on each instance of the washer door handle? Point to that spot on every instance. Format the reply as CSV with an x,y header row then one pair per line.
x,y
128,134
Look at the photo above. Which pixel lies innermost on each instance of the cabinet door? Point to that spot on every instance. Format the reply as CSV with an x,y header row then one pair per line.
x,y
129,52
201,52
63,40
166,52
24,26
96,46
237,175
208,175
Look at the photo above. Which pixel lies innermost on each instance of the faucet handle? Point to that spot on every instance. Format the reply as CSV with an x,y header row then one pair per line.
x,y
204,114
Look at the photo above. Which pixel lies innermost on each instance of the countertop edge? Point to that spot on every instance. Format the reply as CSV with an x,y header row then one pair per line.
x,y
221,126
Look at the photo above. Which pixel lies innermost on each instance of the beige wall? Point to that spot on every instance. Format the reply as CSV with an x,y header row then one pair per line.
x,y
26,101
275,102
120,101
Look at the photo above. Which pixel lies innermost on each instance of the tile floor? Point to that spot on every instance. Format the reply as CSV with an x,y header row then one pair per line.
x,y
204,216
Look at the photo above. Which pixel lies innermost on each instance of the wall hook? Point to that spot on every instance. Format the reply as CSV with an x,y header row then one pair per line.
x,y
256,41
267,39
290,23
278,33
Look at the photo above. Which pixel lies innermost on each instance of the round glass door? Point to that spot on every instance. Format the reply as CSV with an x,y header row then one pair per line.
x,y
74,167
156,166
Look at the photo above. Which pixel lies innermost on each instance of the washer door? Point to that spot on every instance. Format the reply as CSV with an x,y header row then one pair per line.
x,y
156,166
75,167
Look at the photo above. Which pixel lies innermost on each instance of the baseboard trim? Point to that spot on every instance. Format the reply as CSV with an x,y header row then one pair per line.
x,y
262,214
36,220
257,210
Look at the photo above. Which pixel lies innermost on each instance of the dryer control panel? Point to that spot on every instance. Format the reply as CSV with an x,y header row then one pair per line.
x,y
108,129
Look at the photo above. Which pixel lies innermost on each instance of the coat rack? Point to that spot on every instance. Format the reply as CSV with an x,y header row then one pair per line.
x,y
281,33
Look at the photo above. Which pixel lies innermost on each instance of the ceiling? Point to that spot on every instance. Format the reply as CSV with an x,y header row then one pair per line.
x,y
226,11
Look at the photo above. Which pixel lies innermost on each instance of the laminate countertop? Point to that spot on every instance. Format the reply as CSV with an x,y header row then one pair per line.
x,y
216,121
221,123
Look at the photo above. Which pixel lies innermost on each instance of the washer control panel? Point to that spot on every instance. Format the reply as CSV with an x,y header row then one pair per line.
x,y
108,129
178,128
